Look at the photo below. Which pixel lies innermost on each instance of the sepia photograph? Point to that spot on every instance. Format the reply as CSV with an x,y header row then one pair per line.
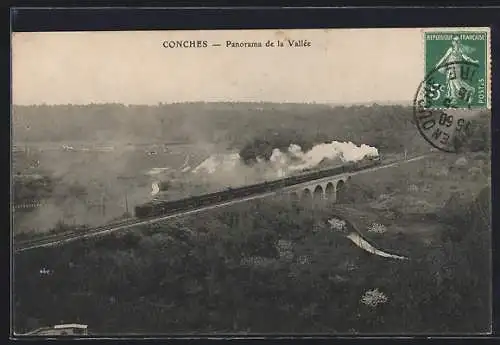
x,y
211,182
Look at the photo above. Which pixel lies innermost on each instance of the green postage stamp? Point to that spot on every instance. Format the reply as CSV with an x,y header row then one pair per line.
x,y
457,66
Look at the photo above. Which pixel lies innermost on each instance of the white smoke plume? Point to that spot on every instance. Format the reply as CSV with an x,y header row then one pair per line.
x,y
230,169
155,188
219,163
115,180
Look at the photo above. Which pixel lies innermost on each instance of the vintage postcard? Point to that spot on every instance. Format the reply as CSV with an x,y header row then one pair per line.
x,y
330,181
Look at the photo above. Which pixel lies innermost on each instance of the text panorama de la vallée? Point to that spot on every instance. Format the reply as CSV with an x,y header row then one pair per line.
x,y
237,44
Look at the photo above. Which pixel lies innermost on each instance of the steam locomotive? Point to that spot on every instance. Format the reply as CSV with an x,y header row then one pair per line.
x,y
158,208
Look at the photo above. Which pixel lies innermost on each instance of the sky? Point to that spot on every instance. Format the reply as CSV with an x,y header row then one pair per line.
x,y
341,66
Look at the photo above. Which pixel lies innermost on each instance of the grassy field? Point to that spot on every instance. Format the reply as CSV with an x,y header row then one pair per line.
x,y
91,188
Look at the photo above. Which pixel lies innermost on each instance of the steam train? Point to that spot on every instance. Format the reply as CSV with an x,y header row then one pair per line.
x,y
157,208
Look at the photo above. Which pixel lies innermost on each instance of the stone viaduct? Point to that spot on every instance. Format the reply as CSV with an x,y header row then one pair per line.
x,y
328,188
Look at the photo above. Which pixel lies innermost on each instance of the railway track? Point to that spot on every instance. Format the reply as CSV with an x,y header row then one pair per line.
x,y
59,239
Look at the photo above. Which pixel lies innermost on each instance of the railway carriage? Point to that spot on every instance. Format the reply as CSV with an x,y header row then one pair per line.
x,y
162,208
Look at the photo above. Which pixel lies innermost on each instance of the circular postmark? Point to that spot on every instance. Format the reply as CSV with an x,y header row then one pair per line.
x,y
442,106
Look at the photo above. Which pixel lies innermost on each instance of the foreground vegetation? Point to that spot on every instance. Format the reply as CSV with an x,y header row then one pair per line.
x,y
222,271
